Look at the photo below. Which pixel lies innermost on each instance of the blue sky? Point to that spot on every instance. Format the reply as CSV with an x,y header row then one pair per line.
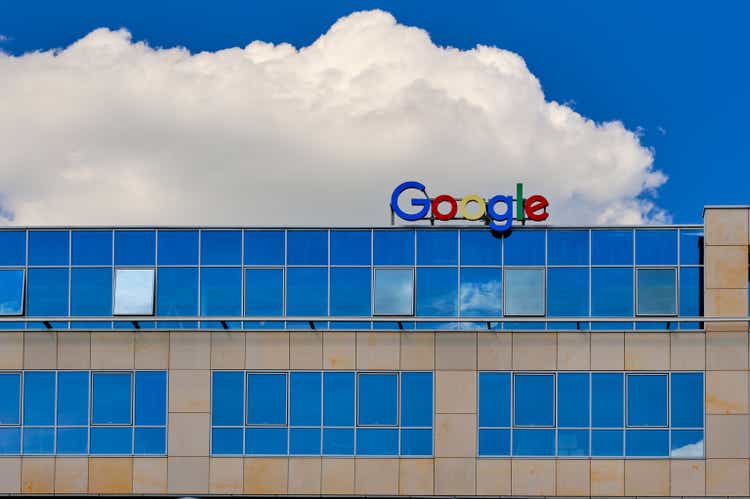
x,y
676,72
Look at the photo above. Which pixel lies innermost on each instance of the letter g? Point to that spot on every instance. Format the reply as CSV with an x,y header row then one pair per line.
x,y
424,203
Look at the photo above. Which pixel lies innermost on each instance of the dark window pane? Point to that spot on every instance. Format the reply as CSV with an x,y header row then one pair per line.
x,y
11,292
378,399
494,442
437,247
494,399
657,294
111,394
227,398
12,247
72,398
612,247
524,247
338,398
350,247
647,400
304,399
394,247
48,247
481,292
226,441
221,291
691,292
532,443
437,292
177,291
48,292
416,442
612,292
264,292
264,247
91,247
304,441
687,443
573,400
534,399
567,292
151,398
481,247
607,400
691,246
377,442
307,247
10,394
266,441
655,247
524,291
134,291
307,291
687,400
646,443
221,247
416,399
568,247
338,442
91,292
606,443
394,291
266,398
350,291
573,442
178,247
111,440
135,247
150,441
39,398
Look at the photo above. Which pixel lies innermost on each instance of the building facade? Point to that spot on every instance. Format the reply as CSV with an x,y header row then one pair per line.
x,y
549,361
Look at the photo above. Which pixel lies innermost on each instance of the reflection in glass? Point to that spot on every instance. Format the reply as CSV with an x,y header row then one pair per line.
x,y
533,442
437,292
264,247
437,247
221,247
524,291
12,247
687,443
686,400
655,247
612,292
378,399
656,292
691,246
647,399
573,400
525,247
11,292
134,292
350,291
646,443
568,247
481,292
568,292
534,399
394,291
611,247
350,247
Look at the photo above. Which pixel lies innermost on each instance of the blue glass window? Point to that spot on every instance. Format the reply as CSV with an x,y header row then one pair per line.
x,y
377,441
534,399
612,292
111,396
304,399
655,247
72,440
177,291
10,394
39,398
494,442
394,291
481,292
481,247
691,246
111,440
568,247
350,247
38,440
646,443
338,441
134,291
612,247
573,442
657,293
151,398
264,292
307,291
607,443
91,292
393,247
266,441
437,247
573,401
221,291
686,400
350,291
11,292
494,399
304,441
647,400
264,247
338,398
48,247
227,398
12,247
226,441
307,247
691,292
607,400
378,399
135,247
567,292
266,398
533,442
178,247
416,399
91,247
72,398
687,443
48,292
524,291
525,247
150,441
221,247
416,442
437,292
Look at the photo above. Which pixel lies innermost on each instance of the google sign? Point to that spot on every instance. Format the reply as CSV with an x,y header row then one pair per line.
x,y
496,211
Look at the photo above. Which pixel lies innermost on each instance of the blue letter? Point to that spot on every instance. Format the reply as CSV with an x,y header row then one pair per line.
x,y
424,203
506,217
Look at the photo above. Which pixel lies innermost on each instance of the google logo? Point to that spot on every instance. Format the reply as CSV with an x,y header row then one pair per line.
x,y
471,207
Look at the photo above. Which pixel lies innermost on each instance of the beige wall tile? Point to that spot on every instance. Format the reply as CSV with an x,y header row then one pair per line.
x,y
455,392
339,350
534,351
727,477
418,351
110,475
726,267
376,476
493,477
727,436
726,226
607,351
726,392
338,476
39,350
573,351
304,475
11,350
533,477
38,475
726,351
189,391
725,303
71,475
416,477
151,350
573,477
227,350
647,351
112,350
306,350
149,475
266,475
10,475
455,435
646,477
188,434
607,477
495,351
190,350
456,350
687,478
378,350
455,476
74,350
226,475
687,351
267,350
187,475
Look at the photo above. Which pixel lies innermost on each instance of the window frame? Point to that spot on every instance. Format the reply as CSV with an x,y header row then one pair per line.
x,y
24,273
636,291
117,270
506,294
413,271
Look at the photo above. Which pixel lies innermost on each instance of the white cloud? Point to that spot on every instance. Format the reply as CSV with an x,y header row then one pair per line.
x,y
107,131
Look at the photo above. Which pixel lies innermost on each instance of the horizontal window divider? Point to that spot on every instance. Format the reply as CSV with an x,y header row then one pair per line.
x,y
379,318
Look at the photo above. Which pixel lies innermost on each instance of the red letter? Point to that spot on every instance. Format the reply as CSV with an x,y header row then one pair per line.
x,y
444,198
534,205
